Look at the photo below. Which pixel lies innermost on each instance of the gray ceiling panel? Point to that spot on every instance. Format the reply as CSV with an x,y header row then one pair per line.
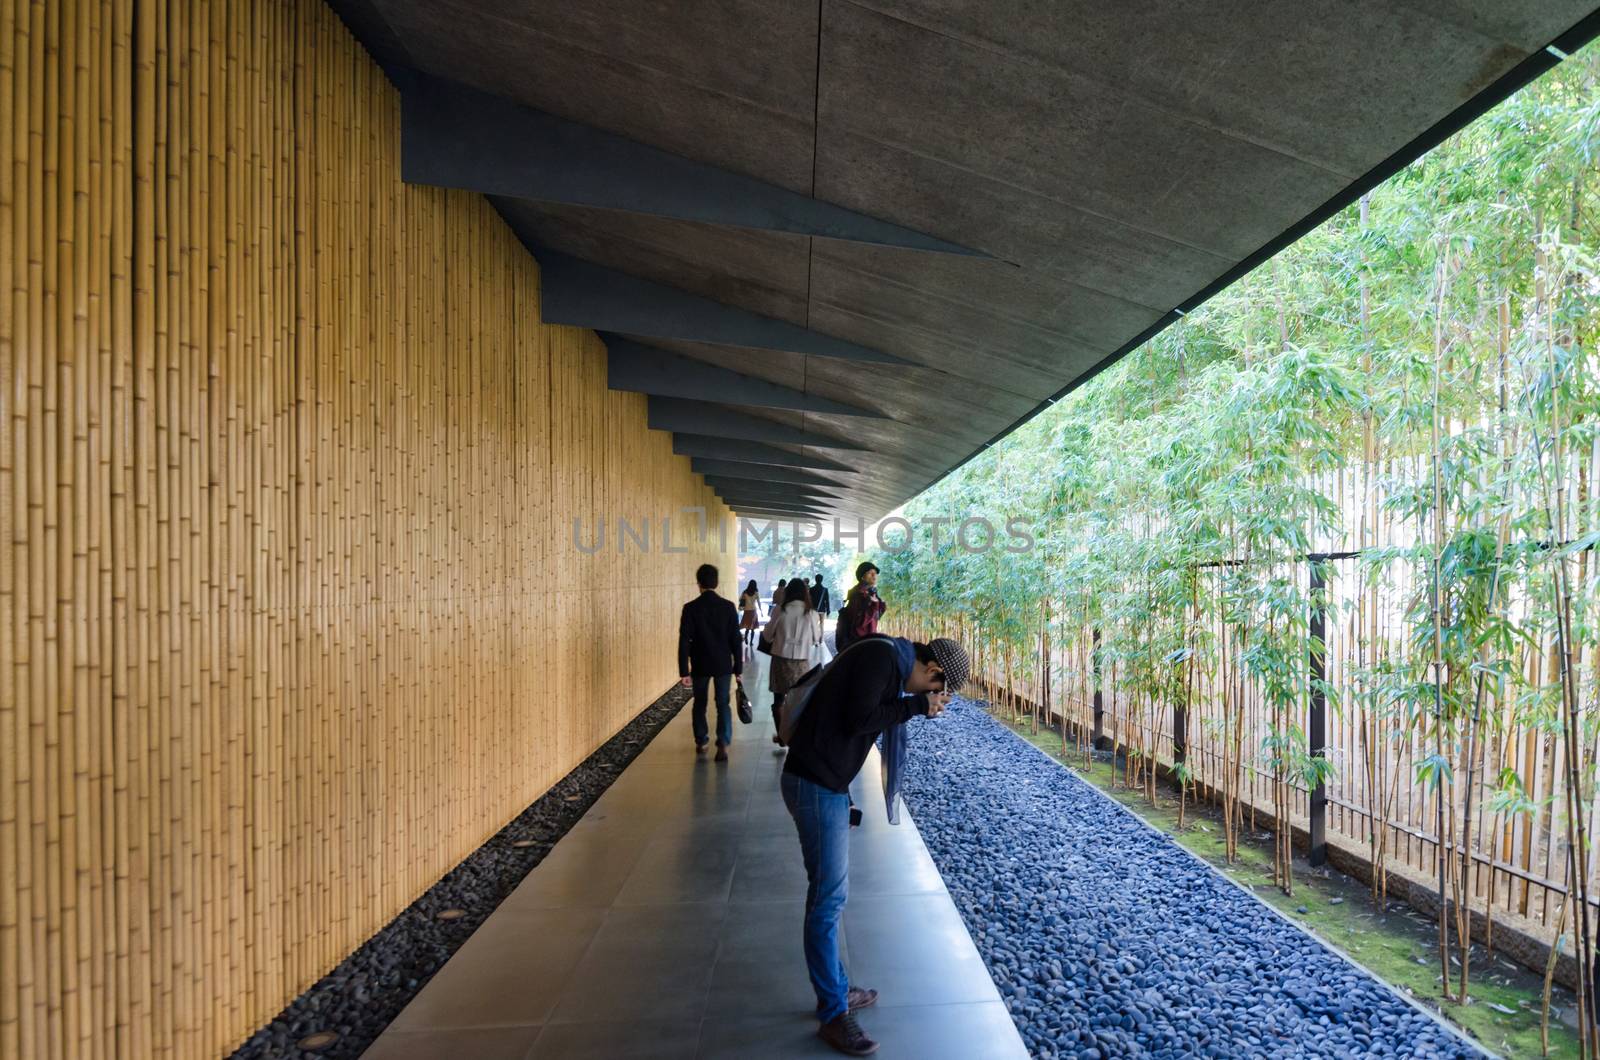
x,y
1349,77
1058,240
1110,154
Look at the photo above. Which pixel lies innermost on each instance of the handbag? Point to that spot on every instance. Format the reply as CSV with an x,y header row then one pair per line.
x,y
819,648
746,714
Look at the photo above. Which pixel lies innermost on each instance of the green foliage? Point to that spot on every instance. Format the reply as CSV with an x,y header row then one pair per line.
x,y
1446,325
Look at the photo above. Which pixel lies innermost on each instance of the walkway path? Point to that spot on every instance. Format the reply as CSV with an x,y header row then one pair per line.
x,y
667,924
1109,939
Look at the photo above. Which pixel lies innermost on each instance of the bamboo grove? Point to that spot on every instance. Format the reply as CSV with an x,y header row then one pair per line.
x,y
1395,423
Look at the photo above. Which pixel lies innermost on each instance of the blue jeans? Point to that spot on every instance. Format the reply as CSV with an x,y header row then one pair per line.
x,y
724,715
822,818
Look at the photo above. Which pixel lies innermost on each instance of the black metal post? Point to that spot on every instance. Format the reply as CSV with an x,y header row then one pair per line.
x,y
1317,729
1099,705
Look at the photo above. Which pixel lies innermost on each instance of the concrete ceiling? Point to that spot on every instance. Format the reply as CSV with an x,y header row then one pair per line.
x,y
1080,169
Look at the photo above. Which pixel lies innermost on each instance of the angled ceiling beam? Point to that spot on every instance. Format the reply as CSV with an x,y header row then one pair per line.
x,y
752,478
750,452
707,466
769,500
704,417
586,295
740,505
743,503
779,514
782,497
723,484
457,137
647,370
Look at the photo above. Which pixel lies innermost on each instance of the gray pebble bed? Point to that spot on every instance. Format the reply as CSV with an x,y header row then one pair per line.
x,y
1107,939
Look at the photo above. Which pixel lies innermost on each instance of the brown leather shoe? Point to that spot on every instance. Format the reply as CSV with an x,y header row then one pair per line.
x,y
846,1035
700,748
722,752
861,998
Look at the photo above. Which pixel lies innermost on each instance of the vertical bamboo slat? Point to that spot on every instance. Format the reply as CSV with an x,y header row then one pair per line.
x,y
290,619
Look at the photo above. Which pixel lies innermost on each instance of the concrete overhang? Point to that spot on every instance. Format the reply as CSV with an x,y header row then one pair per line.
x,y
1112,165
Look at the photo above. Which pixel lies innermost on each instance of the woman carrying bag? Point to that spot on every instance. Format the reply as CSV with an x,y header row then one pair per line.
x,y
795,632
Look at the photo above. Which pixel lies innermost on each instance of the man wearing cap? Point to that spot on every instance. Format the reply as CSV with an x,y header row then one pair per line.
x,y
879,683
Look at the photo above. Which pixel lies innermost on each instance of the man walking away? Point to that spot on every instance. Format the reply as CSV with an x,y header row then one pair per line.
x,y
879,682
709,650
819,599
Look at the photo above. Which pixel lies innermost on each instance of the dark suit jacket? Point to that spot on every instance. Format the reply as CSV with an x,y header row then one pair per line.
x,y
708,637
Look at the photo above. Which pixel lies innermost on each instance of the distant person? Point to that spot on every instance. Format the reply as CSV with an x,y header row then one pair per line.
x,y
878,683
795,632
749,602
710,652
777,600
862,608
819,599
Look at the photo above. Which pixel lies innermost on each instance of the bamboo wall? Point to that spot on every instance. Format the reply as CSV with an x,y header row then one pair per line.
x,y
290,619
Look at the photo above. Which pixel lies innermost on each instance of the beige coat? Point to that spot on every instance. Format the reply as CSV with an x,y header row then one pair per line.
x,y
794,631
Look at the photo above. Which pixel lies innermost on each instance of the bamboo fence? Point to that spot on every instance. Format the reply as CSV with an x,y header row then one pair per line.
x,y
1374,797
291,620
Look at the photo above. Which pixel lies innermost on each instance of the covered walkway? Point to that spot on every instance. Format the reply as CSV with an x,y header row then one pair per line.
x,y
667,924
336,327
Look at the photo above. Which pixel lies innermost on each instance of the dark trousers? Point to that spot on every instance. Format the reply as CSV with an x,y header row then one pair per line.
x,y
724,715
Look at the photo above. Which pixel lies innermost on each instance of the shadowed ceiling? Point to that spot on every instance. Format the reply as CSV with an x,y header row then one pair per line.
x,y
1056,178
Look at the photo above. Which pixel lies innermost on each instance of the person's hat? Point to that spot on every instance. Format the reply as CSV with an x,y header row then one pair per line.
x,y
952,659
866,565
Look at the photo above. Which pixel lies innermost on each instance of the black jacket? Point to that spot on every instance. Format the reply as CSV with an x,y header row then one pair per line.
x,y
708,637
819,599
859,697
